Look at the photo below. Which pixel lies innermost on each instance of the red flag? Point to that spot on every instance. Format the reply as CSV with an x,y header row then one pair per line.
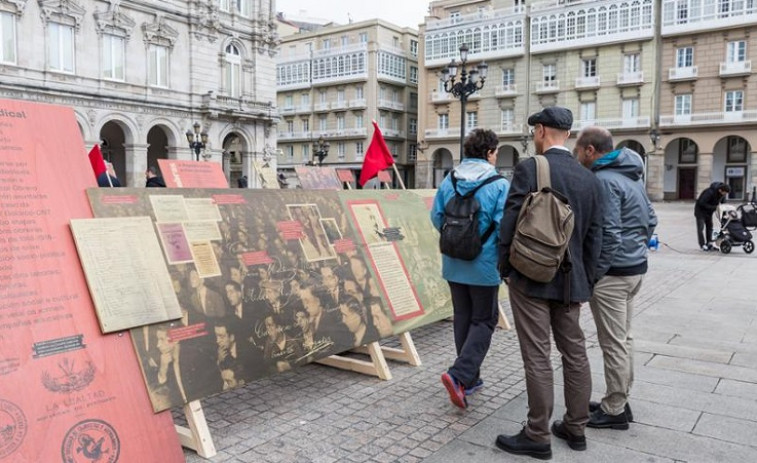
x,y
96,159
377,157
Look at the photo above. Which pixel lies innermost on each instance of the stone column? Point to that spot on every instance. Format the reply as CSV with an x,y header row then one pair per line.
x,y
424,174
253,181
181,153
704,172
136,165
655,175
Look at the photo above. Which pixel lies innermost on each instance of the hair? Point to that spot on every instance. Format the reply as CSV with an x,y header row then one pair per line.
x,y
725,187
153,170
598,137
479,142
354,306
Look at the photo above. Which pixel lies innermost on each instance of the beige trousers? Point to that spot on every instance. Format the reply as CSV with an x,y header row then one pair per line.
x,y
612,306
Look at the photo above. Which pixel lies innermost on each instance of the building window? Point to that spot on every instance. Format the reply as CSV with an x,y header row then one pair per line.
x,y
413,100
549,73
322,96
305,152
113,57
290,151
363,37
508,77
326,44
382,120
687,151
471,120
413,126
340,121
345,40
359,149
158,66
683,104
7,38
442,122
684,57
61,47
359,92
735,149
322,123
455,16
736,52
414,47
288,101
290,126
507,117
340,95
589,67
359,120
341,150
631,63
734,101
630,108
305,100
233,71
588,111
412,152
305,126
413,74
395,122
395,42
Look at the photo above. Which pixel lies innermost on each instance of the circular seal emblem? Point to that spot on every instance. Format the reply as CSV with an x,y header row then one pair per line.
x,y
91,441
13,427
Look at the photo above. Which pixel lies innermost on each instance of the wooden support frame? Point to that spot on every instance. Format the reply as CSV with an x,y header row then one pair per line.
x,y
196,435
378,354
503,323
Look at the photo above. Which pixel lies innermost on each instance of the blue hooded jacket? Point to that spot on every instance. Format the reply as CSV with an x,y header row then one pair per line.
x,y
482,271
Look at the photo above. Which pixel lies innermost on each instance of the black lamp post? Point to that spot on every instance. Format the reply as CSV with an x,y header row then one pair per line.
x,y
654,136
197,140
470,82
321,149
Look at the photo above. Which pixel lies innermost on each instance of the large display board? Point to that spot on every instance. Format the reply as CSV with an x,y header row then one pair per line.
x,y
192,174
67,393
286,280
318,178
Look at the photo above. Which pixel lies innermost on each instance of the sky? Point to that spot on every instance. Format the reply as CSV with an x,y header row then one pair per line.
x,y
407,13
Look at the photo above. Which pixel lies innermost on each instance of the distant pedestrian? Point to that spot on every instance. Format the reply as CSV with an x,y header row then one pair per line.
x,y
153,179
541,307
706,205
629,222
474,284
108,178
242,181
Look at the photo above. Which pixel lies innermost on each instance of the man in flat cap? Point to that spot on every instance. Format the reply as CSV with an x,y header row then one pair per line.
x,y
538,307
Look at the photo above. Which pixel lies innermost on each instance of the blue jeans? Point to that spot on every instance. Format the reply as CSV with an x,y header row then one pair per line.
x,y
475,317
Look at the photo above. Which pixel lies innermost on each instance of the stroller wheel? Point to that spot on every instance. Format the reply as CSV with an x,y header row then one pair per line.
x,y
749,247
725,247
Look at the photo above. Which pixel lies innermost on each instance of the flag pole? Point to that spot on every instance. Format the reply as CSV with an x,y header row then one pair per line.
x,y
396,171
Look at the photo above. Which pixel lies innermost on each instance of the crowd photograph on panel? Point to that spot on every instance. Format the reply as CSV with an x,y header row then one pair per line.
x,y
428,231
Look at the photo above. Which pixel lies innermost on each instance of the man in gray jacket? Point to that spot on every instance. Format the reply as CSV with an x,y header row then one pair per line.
x,y
629,221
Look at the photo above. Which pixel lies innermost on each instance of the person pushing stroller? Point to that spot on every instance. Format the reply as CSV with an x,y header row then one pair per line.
x,y
706,205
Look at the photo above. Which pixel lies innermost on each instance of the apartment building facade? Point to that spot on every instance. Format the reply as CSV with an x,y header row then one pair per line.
x,y
708,100
140,74
334,81
611,63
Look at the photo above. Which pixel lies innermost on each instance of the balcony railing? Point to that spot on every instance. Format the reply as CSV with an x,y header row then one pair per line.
x,y
392,133
340,50
293,135
706,15
340,104
630,78
587,82
441,97
477,17
510,129
730,117
396,105
506,90
358,103
620,123
552,86
736,68
303,109
285,110
686,73
321,107
443,133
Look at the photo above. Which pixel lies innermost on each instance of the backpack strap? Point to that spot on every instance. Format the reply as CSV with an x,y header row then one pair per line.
x,y
542,173
486,181
491,228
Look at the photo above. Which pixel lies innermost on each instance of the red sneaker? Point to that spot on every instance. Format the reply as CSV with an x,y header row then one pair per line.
x,y
455,389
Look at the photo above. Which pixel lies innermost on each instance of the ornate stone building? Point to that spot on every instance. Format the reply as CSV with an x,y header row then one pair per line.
x,y
139,74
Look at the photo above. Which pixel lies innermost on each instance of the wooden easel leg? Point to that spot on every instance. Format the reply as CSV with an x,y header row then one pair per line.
x,y
197,436
408,354
503,323
376,367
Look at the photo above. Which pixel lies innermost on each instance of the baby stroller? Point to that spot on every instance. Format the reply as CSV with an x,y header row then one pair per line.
x,y
735,226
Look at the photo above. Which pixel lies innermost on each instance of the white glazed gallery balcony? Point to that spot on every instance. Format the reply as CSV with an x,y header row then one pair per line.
x,y
552,86
293,135
630,78
736,68
614,124
701,15
506,90
715,118
585,83
684,73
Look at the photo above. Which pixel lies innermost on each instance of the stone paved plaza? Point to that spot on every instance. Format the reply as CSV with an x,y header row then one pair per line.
x,y
694,397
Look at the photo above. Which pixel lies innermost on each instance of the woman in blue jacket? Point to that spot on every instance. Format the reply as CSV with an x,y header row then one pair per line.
x,y
474,284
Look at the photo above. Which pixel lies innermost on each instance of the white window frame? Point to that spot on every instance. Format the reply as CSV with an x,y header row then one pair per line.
x,y
233,71
413,126
340,121
158,58
8,54
733,101
684,57
61,55
549,73
442,122
113,57
630,107
305,152
507,119
736,51
508,77
631,63
323,123
588,111
683,104
471,120
359,120
589,67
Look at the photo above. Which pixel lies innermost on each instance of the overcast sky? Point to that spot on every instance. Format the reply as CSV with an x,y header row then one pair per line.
x,y
407,13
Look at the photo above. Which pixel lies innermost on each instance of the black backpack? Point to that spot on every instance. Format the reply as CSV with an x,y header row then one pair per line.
x,y
459,236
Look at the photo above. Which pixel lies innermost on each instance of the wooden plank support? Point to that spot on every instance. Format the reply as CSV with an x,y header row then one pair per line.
x,y
503,323
197,436
376,367
408,354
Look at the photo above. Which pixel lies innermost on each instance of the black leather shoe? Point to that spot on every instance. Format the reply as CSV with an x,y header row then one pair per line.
x,y
520,444
600,419
574,442
594,406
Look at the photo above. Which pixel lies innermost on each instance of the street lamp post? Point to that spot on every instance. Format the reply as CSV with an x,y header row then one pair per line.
x,y
470,81
320,150
197,140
